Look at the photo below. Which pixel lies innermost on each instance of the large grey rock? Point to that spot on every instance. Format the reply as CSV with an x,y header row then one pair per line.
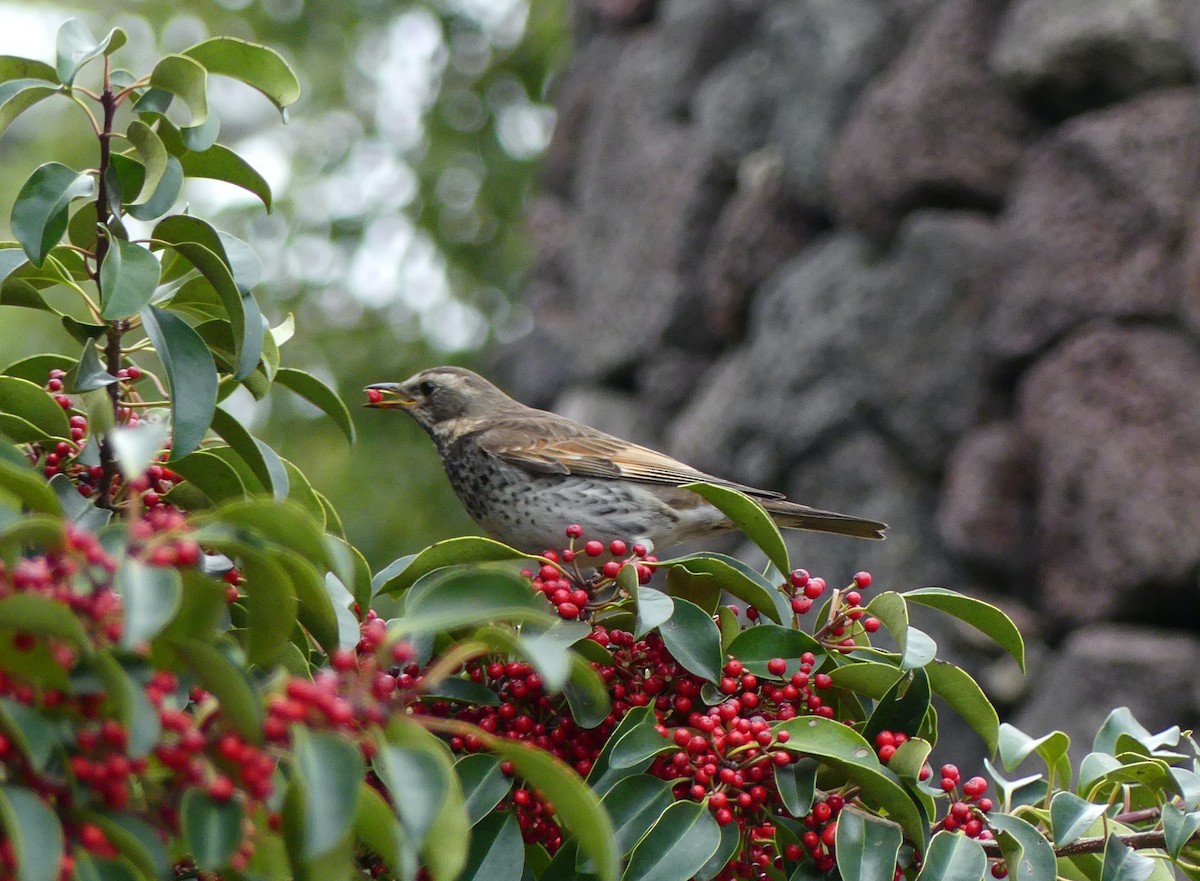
x,y
985,512
703,33
733,106
1114,416
1070,55
1093,223
822,53
934,129
1152,672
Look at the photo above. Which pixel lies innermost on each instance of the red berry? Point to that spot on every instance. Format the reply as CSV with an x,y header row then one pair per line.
x,y
814,588
374,395
617,548
863,579
593,548
574,531
776,666
568,610
870,624
220,788
798,578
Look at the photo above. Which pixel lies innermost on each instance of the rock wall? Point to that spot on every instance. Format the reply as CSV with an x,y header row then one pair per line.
x,y
933,261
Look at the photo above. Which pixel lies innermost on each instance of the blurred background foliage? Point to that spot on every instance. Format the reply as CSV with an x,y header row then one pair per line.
x,y
399,183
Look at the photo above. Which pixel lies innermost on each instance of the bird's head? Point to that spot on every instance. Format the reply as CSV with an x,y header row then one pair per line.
x,y
442,399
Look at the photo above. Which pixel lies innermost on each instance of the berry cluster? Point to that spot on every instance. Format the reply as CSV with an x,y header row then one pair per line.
x,y
569,590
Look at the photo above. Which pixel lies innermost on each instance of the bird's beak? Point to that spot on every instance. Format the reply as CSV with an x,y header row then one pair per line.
x,y
388,396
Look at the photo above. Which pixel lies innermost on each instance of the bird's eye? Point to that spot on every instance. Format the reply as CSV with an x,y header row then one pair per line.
x,y
427,387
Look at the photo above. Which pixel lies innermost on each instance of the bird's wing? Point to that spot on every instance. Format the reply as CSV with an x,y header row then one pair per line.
x,y
566,447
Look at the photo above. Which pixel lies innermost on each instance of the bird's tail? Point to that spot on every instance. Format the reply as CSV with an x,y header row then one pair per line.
x,y
790,515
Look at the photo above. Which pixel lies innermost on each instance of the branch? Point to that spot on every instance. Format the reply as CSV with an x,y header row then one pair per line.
x,y
1135,840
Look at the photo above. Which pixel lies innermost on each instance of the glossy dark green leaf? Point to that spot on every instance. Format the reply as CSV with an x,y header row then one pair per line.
x,y
756,646
217,674
919,651
748,516
903,706
212,475
330,768
575,804
75,46
866,847
220,163
731,841
734,577
1015,745
796,784
187,80
635,747
1072,816
678,845
30,402
271,602
693,640
18,95
211,829
254,64
483,784
1120,722
470,598
285,524
36,368
164,195
953,857
496,851
892,611
315,610
635,804
90,374
653,608
29,487
1029,855
377,827
1178,828
128,278
34,832
958,689
153,156
32,732
191,375
320,395
402,574
984,617
603,775
1123,863
842,748
39,214
586,694
549,656
150,597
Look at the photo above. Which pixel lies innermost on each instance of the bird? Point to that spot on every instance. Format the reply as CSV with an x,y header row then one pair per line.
x,y
525,474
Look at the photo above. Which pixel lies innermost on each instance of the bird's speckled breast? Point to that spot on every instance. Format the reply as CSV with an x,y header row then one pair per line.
x,y
531,511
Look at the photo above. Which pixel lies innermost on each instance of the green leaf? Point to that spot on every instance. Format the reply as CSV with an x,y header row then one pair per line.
x,y
184,78
902,708
315,609
212,475
34,735
42,616
953,858
242,443
320,395
1071,817
635,747
75,47
217,674
1029,855
286,524
330,769
496,851
756,646
191,375
891,610
735,577
211,829
483,784
271,604
1121,722
255,65
39,215
603,775
840,747
133,708
34,831
152,154
89,374
220,163
635,804
984,617
402,574
748,516
1178,828
731,841
586,694
866,847
418,781
909,759
36,368
796,784
653,608
165,194
1015,745
151,598
18,95
128,279
677,846
464,599
30,488
376,826
575,805
1123,863
693,640
956,687
920,650
30,402
14,67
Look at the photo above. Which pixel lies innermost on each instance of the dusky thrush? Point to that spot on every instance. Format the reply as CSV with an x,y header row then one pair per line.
x,y
525,474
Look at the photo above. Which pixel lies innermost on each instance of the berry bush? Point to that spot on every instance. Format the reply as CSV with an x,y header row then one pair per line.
x,y
201,678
